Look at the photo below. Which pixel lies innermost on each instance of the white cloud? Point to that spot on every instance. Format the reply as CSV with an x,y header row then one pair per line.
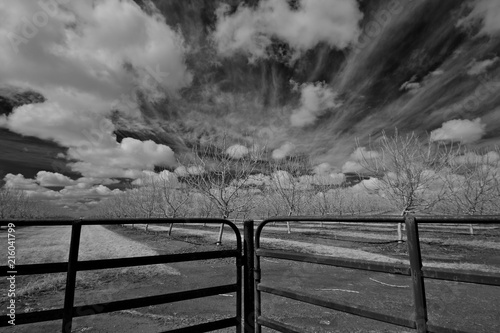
x,y
130,154
331,179
479,67
491,158
191,170
488,12
45,178
315,99
19,182
94,191
95,181
465,131
65,125
237,151
352,167
285,150
164,177
322,169
361,153
86,59
367,185
92,171
251,30
408,85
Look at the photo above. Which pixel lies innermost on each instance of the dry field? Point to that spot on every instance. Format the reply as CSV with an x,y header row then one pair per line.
x,y
456,305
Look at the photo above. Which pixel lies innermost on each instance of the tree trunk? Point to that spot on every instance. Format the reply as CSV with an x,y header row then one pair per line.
x,y
400,234
170,229
221,231
288,228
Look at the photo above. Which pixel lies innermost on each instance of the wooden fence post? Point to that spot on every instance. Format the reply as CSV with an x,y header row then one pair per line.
x,y
419,299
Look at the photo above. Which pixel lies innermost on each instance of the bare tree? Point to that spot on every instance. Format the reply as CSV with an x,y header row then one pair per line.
x,y
220,176
203,207
475,183
289,181
147,198
174,197
409,170
13,203
16,203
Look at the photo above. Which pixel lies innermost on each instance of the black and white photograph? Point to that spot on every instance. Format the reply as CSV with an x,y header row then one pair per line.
x,y
250,166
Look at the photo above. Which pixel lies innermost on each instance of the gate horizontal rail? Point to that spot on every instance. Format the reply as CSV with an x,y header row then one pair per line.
x,y
375,266
88,265
415,269
73,265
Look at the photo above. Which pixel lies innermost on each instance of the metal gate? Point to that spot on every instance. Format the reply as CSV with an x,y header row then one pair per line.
x,y
248,286
69,311
415,270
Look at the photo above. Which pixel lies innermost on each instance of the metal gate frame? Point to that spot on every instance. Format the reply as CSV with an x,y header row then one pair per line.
x,y
415,270
69,311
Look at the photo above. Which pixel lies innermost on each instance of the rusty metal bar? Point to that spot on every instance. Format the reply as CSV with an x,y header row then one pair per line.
x,y
326,303
419,299
69,295
338,262
249,285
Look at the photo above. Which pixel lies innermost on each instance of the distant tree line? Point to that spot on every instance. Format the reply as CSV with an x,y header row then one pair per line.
x,y
16,204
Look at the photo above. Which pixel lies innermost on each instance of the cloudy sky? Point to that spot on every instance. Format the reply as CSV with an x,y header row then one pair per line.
x,y
96,93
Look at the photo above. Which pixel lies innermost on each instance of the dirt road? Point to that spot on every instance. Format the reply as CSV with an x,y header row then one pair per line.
x,y
459,305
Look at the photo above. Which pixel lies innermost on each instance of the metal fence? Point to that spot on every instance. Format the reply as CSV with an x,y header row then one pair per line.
x,y
69,311
248,286
415,270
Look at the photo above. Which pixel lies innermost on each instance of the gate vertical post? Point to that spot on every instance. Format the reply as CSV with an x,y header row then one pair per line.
x,y
249,284
69,295
419,298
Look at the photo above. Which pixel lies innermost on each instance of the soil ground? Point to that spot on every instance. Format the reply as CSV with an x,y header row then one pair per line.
x,y
465,306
